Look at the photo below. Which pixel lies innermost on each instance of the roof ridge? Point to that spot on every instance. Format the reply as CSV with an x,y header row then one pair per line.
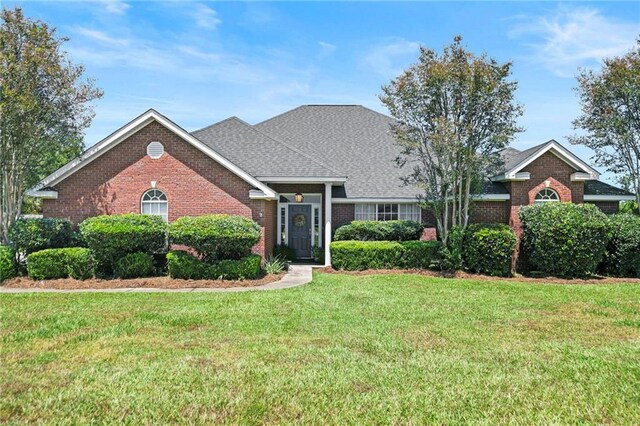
x,y
233,117
344,105
279,115
376,112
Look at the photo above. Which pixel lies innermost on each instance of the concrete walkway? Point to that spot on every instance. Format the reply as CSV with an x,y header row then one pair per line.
x,y
296,276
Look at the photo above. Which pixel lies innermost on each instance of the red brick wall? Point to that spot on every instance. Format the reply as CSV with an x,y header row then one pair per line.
x,y
342,214
270,227
428,219
489,212
194,183
608,207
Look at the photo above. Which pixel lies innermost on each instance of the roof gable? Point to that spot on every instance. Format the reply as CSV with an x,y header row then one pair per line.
x,y
515,161
129,129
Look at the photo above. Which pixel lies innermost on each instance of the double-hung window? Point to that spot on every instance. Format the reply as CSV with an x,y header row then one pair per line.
x,y
388,211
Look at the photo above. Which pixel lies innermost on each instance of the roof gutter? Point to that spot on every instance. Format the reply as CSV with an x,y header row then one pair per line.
x,y
302,179
45,195
609,198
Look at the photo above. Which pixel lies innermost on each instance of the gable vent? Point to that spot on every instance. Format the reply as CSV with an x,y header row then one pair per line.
x,y
155,150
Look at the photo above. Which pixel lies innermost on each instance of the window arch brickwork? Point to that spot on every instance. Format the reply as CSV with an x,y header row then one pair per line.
x,y
562,190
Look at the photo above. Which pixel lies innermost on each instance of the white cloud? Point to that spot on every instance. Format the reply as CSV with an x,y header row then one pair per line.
x,y
115,7
222,66
100,36
569,38
326,49
189,61
204,16
391,58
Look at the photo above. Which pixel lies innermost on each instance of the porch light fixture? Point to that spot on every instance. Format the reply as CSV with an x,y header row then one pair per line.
x,y
298,197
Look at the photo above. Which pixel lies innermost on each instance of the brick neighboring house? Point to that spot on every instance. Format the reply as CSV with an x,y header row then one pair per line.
x,y
299,175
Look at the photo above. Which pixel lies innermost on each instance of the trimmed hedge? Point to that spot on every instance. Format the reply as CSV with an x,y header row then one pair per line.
x,y
623,251
135,265
74,262
110,238
360,255
246,268
183,265
488,249
371,230
563,239
31,235
7,266
217,236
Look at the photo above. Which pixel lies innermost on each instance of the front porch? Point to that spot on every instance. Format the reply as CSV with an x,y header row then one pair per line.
x,y
303,218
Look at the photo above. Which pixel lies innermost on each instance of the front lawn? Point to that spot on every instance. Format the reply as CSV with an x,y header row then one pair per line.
x,y
344,349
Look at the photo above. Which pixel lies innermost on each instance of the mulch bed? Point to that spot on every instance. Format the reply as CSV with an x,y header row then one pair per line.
x,y
151,282
460,274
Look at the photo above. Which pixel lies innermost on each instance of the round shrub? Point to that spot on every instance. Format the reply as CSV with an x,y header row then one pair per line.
x,y
7,266
31,235
563,239
74,262
370,230
622,258
217,236
113,237
488,249
134,265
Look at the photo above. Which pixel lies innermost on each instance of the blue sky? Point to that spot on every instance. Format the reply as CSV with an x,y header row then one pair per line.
x,y
200,62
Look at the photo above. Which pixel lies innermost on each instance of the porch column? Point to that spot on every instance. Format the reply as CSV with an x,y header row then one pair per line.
x,y
327,224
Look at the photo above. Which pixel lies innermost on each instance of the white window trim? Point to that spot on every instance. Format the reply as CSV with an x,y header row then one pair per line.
x,y
286,218
546,200
376,210
142,202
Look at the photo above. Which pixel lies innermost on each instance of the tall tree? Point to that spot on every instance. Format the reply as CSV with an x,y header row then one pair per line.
x,y
454,112
610,100
45,104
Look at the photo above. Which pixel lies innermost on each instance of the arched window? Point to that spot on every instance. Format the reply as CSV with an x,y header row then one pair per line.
x,y
155,202
546,195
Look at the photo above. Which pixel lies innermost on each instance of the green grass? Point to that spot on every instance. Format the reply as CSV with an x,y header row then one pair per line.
x,y
341,350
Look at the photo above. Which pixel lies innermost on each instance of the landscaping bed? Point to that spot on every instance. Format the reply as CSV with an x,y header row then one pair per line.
x,y
149,282
478,277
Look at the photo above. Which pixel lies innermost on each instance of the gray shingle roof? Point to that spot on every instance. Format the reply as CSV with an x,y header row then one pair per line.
x,y
596,187
494,188
512,157
337,141
354,140
259,154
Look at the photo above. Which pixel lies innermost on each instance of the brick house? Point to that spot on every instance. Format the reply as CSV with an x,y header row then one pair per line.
x,y
299,175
